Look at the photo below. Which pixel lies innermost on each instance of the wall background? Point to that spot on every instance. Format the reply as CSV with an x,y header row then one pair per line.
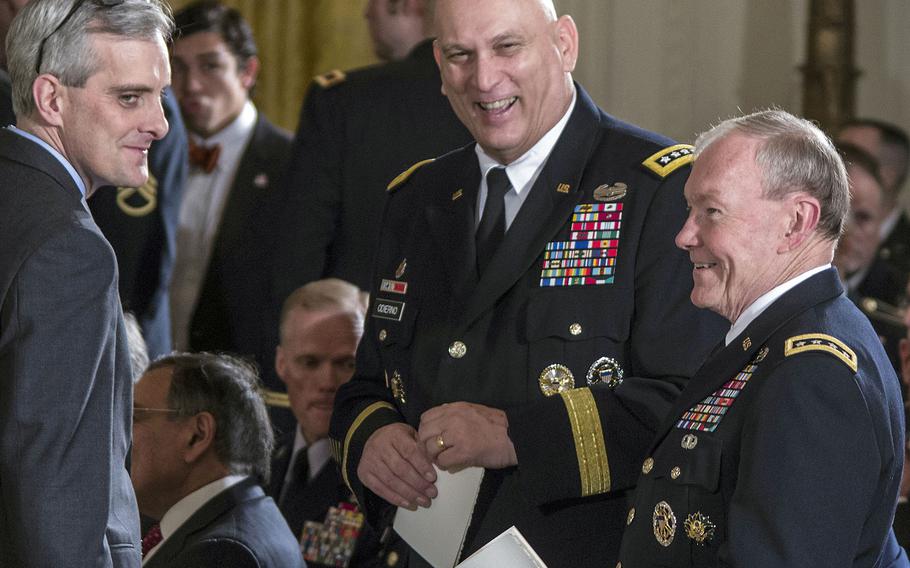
x,y
671,66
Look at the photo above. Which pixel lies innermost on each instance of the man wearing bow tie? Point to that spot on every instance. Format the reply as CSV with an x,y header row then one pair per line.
x,y
235,156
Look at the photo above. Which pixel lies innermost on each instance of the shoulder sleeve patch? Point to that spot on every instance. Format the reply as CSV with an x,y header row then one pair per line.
x,y
403,176
820,342
670,159
330,79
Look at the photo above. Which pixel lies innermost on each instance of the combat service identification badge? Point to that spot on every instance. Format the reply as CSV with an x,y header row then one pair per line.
x,y
699,528
606,193
605,370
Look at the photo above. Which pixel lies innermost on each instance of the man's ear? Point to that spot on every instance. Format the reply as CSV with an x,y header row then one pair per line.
x,y
802,220
50,98
281,363
249,72
199,436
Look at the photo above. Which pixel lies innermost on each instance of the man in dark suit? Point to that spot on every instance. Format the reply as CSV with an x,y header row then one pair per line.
x,y
321,325
219,288
529,310
65,382
202,441
141,225
786,447
357,131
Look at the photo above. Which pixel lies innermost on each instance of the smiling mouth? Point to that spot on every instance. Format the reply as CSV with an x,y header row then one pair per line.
x,y
497,106
703,265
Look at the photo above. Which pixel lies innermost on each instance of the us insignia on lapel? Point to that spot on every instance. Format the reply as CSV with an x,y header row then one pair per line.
x,y
588,258
138,201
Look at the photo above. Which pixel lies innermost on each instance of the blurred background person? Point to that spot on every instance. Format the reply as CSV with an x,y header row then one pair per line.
x,y
219,285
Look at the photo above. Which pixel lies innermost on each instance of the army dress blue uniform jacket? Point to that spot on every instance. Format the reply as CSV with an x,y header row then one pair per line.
x,y
784,450
437,334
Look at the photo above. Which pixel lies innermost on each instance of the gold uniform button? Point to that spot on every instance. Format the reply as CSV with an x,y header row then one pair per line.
x,y
631,516
392,559
675,472
457,349
647,466
575,329
383,334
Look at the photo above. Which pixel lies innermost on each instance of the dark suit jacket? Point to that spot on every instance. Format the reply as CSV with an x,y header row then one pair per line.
x,y
790,444
229,312
65,381
354,137
238,528
492,340
896,248
7,116
141,225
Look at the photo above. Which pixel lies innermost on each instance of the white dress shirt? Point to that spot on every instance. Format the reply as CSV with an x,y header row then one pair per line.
x,y
762,303
201,209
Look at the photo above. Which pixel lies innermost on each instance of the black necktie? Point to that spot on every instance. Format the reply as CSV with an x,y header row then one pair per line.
x,y
300,475
492,226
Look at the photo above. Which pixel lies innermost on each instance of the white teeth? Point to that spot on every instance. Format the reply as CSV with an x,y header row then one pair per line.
x,y
700,265
497,105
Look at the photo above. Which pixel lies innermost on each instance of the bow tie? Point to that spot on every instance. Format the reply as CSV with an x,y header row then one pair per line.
x,y
204,157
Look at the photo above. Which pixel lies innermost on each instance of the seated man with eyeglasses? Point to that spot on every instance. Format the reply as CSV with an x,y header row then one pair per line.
x,y
202,444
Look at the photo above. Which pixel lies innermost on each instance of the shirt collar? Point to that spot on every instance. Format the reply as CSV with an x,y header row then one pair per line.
x,y
184,509
318,454
60,158
765,300
525,169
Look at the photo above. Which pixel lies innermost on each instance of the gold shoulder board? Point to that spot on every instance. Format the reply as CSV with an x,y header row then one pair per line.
x,y
820,342
275,398
670,159
403,176
330,79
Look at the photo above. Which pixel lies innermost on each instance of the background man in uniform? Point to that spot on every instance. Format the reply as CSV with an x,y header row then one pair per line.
x,y
547,349
357,131
202,445
890,147
786,447
87,81
321,325
219,287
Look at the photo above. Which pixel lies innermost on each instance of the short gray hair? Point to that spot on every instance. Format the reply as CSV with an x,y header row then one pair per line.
x,y
329,294
139,353
229,389
794,155
68,53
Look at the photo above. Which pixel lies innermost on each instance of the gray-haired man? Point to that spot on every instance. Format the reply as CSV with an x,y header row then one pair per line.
x,y
87,79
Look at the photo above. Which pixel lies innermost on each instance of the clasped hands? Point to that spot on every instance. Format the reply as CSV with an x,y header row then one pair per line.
x,y
397,461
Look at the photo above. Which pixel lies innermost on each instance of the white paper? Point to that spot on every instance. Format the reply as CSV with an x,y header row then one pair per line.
x,y
508,550
437,533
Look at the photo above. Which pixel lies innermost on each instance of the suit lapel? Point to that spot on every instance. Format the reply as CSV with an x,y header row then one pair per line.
x,y
202,518
451,222
544,211
725,364
281,460
247,189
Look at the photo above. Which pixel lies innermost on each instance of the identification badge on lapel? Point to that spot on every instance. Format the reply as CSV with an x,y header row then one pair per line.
x,y
388,309
588,258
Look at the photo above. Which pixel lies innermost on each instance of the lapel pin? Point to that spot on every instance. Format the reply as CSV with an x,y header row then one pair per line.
x,y
457,195
613,192
563,188
747,343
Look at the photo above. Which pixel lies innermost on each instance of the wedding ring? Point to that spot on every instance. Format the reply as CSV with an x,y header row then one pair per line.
x,y
440,443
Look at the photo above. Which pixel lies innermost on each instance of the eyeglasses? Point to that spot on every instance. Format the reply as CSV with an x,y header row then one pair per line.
x,y
76,5
139,411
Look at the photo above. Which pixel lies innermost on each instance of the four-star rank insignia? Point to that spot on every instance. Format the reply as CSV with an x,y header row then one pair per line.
x,y
823,343
665,162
